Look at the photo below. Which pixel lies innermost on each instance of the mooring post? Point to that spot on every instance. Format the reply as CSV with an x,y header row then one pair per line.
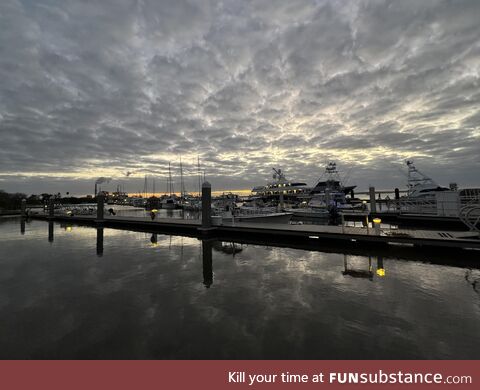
x,y
100,206
206,205
373,204
51,208
23,208
376,225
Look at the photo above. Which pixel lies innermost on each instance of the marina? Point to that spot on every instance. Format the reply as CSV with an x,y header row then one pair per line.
x,y
224,194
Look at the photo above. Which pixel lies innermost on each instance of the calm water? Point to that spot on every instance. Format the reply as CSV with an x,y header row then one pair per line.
x,y
68,292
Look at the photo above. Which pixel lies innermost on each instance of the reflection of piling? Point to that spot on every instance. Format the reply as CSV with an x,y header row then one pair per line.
x,y
51,208
207,263
99,242
380,267
373,203
23,208
50,231
100,207
154,239
206,205
22,226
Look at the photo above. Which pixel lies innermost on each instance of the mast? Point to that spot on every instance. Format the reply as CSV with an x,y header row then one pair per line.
x,y
182,184
199,176
153,186
145,187
170,186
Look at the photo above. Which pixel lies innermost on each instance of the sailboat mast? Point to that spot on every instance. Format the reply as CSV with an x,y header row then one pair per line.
x,y
199,176
182,186
145,187
169,179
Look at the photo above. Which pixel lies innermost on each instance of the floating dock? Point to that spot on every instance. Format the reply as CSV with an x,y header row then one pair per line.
x,y
339,235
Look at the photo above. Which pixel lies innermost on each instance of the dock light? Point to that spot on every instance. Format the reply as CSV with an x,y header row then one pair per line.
x,y
377,220
381,272
69,212
154,211
313,237
69,229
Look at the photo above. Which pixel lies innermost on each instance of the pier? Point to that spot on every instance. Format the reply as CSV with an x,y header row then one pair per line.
x,y
339,235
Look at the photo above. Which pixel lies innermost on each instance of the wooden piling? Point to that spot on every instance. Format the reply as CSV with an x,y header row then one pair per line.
x,y
373,203
206,205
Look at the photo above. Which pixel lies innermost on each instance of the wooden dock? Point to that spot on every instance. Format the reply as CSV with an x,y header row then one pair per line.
x,y
338,235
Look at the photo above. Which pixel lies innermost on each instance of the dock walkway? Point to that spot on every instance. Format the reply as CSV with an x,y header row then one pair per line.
x,y
339,234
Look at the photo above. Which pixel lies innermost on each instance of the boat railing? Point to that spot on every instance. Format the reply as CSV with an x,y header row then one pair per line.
x,y
447,207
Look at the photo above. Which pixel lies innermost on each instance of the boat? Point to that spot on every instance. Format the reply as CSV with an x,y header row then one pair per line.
x,y
331,181
309,213
258,217
280,188
169,202
420,185
228,208
330,192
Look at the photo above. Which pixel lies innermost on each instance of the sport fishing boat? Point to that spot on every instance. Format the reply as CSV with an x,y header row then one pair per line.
x,y
331,181
230,209
420,185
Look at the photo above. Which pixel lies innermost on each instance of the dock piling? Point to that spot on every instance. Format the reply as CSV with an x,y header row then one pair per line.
x,y
206,205
373,204
376,225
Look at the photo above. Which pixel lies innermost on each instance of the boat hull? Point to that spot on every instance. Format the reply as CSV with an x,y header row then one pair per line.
x,y
262,218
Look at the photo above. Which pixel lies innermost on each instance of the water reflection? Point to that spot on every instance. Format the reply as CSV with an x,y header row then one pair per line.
x,y
154,239
207,263
50,231
263,303
100,241
357,273
380,267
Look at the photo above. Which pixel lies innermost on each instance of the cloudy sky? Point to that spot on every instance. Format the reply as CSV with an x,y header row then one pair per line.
x,y
99,88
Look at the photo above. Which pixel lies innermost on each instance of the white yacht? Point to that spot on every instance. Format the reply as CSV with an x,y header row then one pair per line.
x,y
280,187
420,185
229,209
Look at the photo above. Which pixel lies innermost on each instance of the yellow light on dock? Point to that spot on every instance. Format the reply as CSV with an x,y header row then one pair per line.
x,y
377,220
381,272
154,211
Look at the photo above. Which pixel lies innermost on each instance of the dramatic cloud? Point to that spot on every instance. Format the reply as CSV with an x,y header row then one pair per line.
x,y
92,89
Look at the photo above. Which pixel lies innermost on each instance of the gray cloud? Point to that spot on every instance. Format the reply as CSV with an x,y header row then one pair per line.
x,y
90,89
